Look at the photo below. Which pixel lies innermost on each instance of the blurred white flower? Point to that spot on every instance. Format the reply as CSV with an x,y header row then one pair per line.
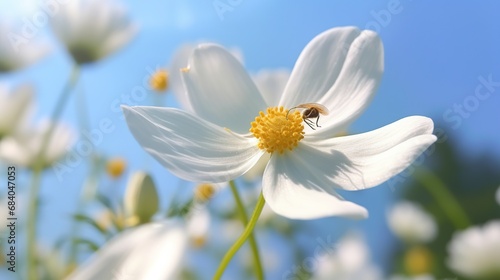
x,y
151,251
15,108
93,29
23,149
418,277
351,260
198,224
411,223
307,165
17,50
475,252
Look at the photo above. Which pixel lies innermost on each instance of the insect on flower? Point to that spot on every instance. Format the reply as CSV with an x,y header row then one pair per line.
x,y
312,110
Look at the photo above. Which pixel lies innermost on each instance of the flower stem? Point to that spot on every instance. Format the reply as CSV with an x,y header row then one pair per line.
x,y
31,225
246,233
259,273
38,167
436,187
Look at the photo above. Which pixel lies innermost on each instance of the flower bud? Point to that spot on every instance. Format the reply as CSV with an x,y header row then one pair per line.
x,y
141,198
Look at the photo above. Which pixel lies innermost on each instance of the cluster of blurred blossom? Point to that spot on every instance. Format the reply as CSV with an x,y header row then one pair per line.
x,y
139,240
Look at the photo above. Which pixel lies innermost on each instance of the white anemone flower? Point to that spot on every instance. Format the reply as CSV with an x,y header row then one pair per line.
x,y
16,106
350,260
93,29
475,252
411,223
150,251
24,149
16,50
339,69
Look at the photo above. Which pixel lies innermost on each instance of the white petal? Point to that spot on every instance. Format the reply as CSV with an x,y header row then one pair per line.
x,y
292,190
151,251
255,173
219,89
18,51
366,160
24,148
180,61
16,106
340,69
189,147
271,84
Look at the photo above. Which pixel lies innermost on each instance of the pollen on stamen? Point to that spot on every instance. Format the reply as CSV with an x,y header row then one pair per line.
x,y
278,130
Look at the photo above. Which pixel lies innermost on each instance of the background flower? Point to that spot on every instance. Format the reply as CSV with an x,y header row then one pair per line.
x,y
475,252
411,223
23,150
16,50
93,29
351,260
15,107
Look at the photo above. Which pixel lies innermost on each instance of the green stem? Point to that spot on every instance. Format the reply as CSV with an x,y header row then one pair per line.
x,y
443,197
38,167
241,240
259,273
31,223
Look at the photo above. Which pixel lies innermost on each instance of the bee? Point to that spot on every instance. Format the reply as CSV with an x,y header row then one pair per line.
x,y
312,110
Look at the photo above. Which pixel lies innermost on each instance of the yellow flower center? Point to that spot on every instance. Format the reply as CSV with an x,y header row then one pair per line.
x,y
159,80
278,130
418,260
204,192
115,167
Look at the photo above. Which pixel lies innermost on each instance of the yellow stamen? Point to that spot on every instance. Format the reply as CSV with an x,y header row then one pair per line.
x,y
278,130
418,260
159,80
204,192
115,167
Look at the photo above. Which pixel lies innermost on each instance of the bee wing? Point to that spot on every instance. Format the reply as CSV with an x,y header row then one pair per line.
x,y
321,109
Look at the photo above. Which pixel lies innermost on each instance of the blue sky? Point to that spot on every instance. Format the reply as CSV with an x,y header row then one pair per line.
x,y
436,56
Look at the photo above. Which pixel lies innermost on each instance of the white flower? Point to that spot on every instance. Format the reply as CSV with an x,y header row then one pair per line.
x,y
411,223
475,252
418,277
340,69
151,251
15,108
16,50
350,261
93,29
23,149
